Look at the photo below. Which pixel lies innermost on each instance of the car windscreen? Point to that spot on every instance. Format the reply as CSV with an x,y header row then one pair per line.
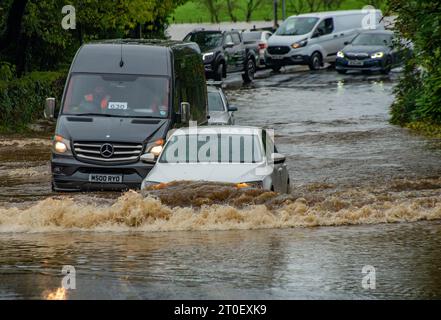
x,y
212,148
215,102
117,95
372,39
297,26
251,36
206,40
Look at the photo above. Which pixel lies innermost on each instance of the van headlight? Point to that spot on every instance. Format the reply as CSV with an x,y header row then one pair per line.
x,y
299,44
377,55
156,147
61,146
340,54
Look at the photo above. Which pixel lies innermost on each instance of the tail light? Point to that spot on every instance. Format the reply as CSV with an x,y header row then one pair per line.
x,y
263,45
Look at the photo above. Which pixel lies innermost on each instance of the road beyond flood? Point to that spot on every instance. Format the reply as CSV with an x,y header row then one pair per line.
x,y
366,195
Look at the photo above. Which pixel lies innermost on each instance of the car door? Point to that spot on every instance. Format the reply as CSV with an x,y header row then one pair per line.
x,y
239,51
327,39
229,53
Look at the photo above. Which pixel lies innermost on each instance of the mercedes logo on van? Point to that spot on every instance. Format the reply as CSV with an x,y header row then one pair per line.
x,y
106,150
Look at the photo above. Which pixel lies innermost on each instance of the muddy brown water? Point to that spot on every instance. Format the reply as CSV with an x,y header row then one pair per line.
x,y
364,193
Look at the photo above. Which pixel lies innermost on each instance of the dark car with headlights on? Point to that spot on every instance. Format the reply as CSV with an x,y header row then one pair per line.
x,y
369,51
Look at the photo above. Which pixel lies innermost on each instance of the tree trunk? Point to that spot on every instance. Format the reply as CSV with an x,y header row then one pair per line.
x,y
13,24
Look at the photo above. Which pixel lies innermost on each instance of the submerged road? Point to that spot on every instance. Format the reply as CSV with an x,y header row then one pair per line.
x,y
365,193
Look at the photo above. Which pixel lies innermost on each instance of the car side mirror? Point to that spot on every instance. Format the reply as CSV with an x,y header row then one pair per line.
x,y
148,158
346,43
278,158
185,112
49,109
229,45
232,108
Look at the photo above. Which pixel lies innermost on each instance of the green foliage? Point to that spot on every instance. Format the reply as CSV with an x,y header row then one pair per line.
x,y
196,11
22,100
418,95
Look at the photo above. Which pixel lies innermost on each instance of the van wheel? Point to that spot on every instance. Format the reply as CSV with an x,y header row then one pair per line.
x,y
316,61
219,72
276,68
250,70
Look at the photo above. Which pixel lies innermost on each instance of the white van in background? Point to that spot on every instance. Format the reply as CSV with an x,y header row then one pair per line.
x,y
314,38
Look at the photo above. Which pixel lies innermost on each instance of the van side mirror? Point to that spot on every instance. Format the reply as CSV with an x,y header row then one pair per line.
x,y
185,112
148,158
346,43
232,108
49,109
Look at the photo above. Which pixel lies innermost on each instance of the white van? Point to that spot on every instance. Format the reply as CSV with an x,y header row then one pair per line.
x,y
314,38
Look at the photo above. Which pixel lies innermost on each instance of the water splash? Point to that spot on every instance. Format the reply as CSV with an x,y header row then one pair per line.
x,y
220,210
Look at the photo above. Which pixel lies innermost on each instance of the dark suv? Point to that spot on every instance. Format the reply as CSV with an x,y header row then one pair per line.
x,y
224,52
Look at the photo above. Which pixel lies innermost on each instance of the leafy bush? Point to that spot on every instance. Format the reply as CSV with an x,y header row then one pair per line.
x,y
22,100
418,95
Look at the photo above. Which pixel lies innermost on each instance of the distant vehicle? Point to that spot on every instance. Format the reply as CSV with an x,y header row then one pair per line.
x,y
121,99
219,110
241,155
258,41
369,51
224,52
315,38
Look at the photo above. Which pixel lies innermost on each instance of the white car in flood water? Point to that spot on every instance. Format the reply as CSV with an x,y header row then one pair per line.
x,y
225,154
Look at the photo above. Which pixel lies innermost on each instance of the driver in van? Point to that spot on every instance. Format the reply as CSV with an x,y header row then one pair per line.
x,y
98,99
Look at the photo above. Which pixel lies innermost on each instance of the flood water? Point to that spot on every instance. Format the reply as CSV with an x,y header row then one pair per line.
x,y
364,193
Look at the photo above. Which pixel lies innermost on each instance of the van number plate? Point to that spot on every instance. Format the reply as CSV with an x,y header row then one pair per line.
x,y
105,178
277,57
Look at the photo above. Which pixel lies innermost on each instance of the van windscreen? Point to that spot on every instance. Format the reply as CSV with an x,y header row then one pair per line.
x,y
117,95
296,26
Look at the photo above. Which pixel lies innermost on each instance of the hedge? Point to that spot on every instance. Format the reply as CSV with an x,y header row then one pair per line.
x,y
22,100
418,95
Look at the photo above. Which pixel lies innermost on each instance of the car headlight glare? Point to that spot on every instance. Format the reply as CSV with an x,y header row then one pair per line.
x,y
377,55
156,150
340,54
61,146
207,56
252,184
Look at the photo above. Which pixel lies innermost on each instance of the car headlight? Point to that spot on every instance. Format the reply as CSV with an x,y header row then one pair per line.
x,y
299,44
61,146
208,56
377,55
340,54
251,184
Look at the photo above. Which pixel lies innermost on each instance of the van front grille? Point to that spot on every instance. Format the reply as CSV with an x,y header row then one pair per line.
x,y
107,152
278,50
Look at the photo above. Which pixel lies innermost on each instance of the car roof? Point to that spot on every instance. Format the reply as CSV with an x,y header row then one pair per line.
x,y
332,13
213,89
216,129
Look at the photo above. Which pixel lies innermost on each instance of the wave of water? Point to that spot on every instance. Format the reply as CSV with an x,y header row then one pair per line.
x,y
225,208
